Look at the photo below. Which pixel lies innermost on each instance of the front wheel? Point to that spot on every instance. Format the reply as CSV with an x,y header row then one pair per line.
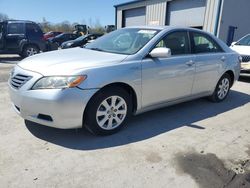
x,y
222,89
107,111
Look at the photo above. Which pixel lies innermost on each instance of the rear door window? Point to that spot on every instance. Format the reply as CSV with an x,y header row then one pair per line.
x,y
33,30
15,28
202,43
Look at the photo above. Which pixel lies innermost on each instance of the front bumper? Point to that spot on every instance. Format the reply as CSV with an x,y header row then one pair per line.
x,y
59,108
245,66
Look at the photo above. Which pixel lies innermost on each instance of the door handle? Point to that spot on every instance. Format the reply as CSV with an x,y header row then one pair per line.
x,y
190,63
223,58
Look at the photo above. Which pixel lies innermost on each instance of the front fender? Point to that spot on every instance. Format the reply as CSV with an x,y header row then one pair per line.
x,y
128,73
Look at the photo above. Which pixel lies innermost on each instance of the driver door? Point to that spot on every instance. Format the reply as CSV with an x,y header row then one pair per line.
x,y
171,78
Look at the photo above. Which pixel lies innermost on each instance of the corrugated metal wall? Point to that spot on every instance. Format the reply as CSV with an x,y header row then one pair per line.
x,y
211,16
156,11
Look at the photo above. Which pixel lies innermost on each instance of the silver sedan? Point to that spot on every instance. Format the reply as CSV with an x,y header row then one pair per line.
x,y
126,72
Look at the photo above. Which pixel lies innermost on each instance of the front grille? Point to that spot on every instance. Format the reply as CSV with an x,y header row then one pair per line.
x,y
19,80
245,58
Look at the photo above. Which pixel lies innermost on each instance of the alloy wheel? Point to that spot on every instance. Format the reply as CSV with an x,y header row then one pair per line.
x,y
223,88
111,112
31,51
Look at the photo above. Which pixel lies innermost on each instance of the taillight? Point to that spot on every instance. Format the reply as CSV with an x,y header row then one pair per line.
x,y
44,38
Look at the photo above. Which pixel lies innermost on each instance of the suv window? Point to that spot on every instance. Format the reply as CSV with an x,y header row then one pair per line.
x,y
177,42
33,30
205,44
15,28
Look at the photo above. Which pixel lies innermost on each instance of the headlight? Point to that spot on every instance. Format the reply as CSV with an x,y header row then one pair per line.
x,y
59,82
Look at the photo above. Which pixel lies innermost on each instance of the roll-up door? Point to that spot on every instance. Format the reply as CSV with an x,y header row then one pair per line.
x,y
134,17
188,13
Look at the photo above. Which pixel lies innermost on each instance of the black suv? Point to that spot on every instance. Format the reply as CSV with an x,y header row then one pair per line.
x,y
21,37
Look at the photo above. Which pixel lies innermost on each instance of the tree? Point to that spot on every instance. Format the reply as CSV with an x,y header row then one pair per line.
x,y
3,17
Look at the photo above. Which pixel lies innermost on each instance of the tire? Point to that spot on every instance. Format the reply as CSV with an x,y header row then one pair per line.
x,y
30,50
222,89
103,118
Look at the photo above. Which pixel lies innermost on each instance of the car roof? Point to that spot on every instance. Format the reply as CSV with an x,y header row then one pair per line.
x,y
19,21
165,28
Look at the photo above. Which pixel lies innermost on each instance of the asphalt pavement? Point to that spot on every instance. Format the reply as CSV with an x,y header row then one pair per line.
x,y
193,144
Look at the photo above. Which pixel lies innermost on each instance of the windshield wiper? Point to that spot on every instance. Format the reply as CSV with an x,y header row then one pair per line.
x,y
96,49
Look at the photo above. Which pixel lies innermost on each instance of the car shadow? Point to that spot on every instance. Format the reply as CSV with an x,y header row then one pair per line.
x,y
143,126
10,59
245,78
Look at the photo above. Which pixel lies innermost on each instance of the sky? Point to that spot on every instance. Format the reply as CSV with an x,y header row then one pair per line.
x,y
56,11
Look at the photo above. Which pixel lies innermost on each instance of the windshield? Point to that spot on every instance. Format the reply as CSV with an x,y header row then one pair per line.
x,y
124,41
60,35
80,38
245,41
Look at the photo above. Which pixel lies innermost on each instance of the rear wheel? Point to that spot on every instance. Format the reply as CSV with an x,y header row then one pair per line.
x,y
30,50
107,111
222,89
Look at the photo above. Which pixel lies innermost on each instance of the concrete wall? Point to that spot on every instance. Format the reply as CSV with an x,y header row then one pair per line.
x,y
155,11
235,13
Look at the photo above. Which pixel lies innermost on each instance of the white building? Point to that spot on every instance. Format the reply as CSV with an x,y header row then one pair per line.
x,y
227,19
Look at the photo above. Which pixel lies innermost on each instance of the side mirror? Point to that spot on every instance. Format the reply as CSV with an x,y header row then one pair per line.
x,y
160,53
233,43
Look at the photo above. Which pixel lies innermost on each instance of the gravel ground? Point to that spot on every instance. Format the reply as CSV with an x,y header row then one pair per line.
x,y
194,144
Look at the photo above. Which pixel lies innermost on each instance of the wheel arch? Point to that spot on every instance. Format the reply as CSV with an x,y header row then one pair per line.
x,y
131,91
232,76
29,44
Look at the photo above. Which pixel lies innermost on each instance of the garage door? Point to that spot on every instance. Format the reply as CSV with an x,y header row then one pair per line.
x,y
134,17
189,13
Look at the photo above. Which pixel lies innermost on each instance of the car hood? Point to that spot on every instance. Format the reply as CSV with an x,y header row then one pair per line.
x,y
69,61
242,50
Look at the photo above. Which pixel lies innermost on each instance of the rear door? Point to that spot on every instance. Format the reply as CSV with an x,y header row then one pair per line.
x,y
34,33
15,33
1,36
210,60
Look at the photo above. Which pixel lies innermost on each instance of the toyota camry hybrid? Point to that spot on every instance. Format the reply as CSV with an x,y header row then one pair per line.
x,y
126,72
